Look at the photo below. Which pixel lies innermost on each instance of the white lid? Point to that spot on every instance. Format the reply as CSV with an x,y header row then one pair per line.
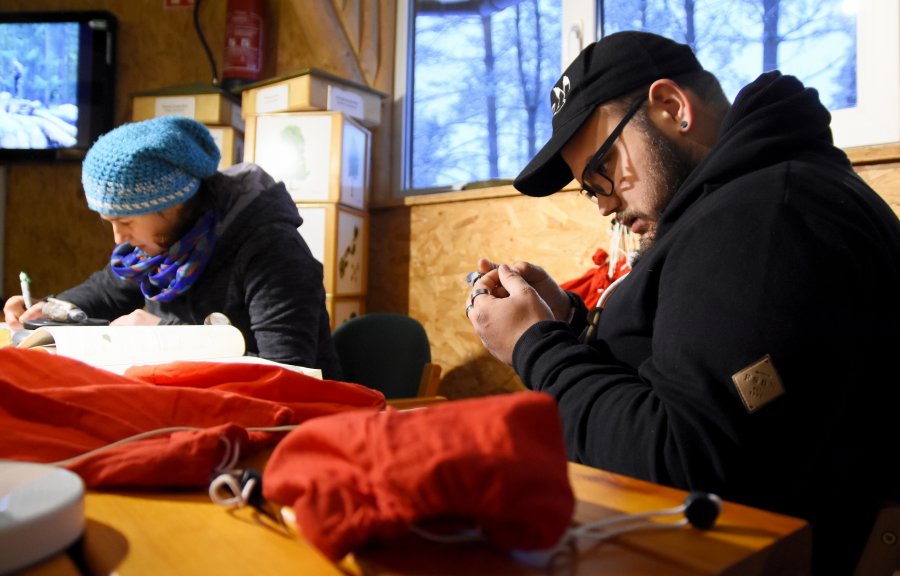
x,y
41,512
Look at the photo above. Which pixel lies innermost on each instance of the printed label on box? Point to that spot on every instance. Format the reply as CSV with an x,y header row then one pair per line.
x,y
345,101
297,151
176,106
272,99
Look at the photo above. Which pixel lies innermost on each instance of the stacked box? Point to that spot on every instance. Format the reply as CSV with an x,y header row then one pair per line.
x,y
310,130
343,308
219,110
230,143
313,89
338,237
320,156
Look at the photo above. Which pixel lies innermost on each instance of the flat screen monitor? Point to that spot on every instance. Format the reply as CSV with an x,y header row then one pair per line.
x,y
57,83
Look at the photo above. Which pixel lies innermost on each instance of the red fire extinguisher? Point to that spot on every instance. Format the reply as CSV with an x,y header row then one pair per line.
x,y
243,62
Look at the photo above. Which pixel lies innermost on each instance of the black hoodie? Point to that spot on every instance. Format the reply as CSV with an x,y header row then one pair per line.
x,y
261,275
772,251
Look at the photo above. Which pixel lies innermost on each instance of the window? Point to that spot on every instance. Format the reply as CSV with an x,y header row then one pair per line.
x,y
478,80
473,76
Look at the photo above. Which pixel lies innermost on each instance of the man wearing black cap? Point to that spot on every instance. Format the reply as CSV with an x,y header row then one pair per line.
x,y
750,352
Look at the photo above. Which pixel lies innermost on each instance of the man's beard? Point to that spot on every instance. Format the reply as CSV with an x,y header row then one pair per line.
x,y
184,221
667,170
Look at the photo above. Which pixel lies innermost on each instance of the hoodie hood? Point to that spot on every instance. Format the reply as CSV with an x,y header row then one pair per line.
x,y
246,185
773,119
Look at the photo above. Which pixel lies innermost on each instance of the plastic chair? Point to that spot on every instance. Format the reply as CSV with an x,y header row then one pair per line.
x,y
387,352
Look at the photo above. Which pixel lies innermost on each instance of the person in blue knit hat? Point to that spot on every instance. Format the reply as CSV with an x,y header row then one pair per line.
x,y
191,240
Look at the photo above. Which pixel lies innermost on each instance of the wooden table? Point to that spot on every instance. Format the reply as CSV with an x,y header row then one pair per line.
x,y
144,533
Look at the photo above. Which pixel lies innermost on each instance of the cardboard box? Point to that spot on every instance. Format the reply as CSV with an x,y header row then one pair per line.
x,y
203,103
343,308
230,143
338,237
313,89
320,156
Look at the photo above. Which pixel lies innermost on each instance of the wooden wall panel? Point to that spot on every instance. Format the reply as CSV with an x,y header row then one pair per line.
x,y
560,233
885,179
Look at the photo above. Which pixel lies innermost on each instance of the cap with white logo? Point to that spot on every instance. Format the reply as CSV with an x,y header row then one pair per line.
x,y
604,71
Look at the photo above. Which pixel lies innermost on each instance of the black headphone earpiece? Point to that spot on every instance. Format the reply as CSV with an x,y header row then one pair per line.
x,y
702,509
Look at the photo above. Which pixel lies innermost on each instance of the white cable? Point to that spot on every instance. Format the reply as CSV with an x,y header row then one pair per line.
x,y
601,302
627,520
616,235
231,455
135,438
234,488
160,432
240,496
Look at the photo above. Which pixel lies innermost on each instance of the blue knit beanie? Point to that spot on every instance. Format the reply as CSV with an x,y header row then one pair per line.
x,y
145,167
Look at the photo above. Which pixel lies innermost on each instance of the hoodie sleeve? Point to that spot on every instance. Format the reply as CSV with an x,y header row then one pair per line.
x,y
103,295
284,295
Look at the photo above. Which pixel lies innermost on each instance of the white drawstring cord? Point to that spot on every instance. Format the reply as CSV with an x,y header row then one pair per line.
x,y
230,456
163,431
239,495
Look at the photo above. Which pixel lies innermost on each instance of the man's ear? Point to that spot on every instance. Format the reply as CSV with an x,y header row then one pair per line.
x,y
670,108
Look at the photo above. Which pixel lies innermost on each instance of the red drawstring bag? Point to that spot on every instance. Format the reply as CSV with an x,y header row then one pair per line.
x,y
498,462
54,408
590,285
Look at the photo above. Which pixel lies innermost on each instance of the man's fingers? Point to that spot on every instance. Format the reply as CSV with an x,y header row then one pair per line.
x,y
485,266
512,281
36,311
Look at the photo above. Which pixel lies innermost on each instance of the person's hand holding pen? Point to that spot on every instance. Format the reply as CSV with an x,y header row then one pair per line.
x,y
20,309
15,312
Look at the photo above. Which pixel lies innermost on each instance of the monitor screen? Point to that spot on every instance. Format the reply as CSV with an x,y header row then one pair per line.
x,y
57,82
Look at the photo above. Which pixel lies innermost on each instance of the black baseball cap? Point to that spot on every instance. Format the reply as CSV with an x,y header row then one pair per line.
x,y
605,70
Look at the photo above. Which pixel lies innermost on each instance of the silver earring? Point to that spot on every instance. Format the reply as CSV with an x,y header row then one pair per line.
x,y
684,124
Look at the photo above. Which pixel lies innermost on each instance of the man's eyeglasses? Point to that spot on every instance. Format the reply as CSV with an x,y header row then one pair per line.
x,y
594,180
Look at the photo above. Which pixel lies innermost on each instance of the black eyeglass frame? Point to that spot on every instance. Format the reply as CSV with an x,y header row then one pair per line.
x,y
594,163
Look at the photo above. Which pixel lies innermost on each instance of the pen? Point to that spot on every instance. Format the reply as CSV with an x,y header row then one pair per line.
x,y
25,283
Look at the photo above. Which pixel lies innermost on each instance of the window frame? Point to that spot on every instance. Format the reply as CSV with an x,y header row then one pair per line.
x,y
875,119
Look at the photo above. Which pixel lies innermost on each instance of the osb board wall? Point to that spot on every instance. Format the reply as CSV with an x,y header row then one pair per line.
x,y
425,276
50,232
885,179
422,252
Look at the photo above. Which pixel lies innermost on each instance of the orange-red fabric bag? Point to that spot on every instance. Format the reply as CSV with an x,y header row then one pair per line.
x,y
54,408
591,285
499,462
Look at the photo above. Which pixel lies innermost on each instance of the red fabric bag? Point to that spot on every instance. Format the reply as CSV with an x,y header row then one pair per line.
x,y
54,408
499,462
590,285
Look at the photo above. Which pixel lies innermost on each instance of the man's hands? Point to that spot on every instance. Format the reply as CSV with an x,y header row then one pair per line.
x,y
517,297
15,314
